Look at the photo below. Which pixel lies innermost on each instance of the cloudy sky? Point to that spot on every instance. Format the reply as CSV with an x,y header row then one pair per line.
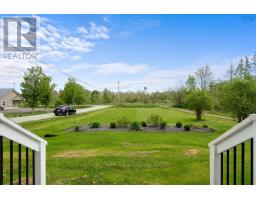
x,y
156,51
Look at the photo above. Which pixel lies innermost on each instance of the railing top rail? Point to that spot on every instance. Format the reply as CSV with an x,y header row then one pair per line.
x,y
231,132
21,130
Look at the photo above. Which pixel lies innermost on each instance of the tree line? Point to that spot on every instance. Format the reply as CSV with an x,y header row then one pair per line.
x,y
37,89
235,94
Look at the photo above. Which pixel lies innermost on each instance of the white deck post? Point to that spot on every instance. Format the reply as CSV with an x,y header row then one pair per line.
x,y
16,133
254,160
40,165
215,168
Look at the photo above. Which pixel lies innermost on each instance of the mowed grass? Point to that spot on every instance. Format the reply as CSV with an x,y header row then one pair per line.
x,y
128,157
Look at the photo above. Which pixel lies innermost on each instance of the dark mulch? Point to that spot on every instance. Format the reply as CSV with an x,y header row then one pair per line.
x,y
50,135
145,129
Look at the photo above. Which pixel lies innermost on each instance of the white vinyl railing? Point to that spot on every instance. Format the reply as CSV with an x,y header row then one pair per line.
x,y
14,132
240,133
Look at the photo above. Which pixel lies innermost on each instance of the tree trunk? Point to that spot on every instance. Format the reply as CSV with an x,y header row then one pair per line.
x,y
198,114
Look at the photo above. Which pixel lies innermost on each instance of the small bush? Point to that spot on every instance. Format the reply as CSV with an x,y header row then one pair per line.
x,y
94,125
178,124
135,126
123,122
187,127
77,128
144,124
113,125
154,120
205,126
163,125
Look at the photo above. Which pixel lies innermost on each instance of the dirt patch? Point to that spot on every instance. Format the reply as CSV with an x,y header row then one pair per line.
x,y
78,154
96,152
134,153
192,152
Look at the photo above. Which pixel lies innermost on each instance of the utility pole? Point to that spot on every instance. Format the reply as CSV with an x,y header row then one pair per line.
x,y
118,92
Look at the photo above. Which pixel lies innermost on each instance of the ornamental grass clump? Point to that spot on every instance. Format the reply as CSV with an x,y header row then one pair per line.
x,y
123,122
154,120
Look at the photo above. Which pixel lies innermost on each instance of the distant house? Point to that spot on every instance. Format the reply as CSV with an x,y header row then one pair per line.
x,y
9,98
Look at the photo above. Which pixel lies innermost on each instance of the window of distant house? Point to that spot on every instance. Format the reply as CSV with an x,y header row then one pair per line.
x,y
4,103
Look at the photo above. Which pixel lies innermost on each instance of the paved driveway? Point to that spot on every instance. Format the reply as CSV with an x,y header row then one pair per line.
x,y
51,115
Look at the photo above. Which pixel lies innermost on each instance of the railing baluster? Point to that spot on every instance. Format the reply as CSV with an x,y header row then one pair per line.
x,y
221,168
227,167
242,164
1,161
27,166
19,164
251,161
234,171
11,162
33,167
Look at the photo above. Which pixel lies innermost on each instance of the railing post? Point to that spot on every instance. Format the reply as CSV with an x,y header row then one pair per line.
x,y
254,160
40,165
215,166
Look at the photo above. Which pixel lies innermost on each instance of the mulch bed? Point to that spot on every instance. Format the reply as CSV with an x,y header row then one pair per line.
x,y
144,129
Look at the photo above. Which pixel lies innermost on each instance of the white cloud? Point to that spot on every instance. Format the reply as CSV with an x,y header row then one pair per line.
x,y
155,80
82,29
120,68
53,54
77,67
137,26
110,68
55,38
106,19
12,71
94,31
74,58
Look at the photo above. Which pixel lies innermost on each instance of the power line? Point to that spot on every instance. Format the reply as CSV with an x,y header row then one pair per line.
x,y
53,67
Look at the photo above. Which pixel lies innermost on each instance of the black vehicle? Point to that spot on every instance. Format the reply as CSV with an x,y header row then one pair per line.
x,y
64,110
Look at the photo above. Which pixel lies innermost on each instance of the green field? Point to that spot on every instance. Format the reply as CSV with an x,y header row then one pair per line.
x,y
128,157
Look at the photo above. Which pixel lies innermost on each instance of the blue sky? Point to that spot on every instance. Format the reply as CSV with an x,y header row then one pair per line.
x,y
156,51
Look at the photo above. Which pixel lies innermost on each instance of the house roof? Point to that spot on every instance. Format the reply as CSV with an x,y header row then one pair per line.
x,y
4,91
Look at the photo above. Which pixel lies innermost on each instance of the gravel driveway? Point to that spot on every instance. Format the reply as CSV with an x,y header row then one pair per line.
x,y
51,115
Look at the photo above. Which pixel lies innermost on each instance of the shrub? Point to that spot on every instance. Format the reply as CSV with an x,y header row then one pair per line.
x,y
77,128
154,120
123,122
187,127
199,101
163,125
178,124
94,125
144,124
113,125
205,126
135,126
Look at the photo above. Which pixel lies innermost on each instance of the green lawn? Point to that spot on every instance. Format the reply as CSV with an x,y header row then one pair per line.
x,y
128,157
